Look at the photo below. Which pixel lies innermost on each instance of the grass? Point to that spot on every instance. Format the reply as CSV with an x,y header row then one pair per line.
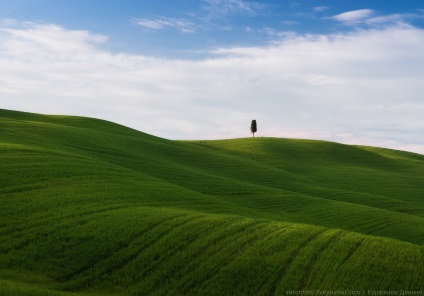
x,y
89,207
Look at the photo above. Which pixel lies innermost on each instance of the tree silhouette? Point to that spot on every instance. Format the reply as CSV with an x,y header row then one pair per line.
x,y
253,127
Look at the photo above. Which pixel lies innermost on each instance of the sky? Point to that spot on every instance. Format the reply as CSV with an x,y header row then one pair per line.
x,y
338,70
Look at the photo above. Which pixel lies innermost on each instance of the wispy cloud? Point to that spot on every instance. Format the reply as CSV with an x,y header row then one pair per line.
x,y
213,15
8,22
320,8
399,18
363,87
222,7
54,39
161,23
369,17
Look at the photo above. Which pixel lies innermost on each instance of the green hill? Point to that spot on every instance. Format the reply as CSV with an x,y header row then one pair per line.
x,y
89,207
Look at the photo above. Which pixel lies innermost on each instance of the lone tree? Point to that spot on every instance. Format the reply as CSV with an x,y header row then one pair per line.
x,y
253,127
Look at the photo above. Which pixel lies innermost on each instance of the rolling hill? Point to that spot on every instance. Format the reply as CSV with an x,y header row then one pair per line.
x,y
89,207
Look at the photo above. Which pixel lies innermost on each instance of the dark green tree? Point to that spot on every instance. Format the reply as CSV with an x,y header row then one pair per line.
x,y
253,127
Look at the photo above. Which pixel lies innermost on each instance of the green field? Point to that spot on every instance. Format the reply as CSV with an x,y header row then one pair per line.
x,y
89,207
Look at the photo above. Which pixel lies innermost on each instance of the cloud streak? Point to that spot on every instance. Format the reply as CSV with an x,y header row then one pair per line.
x,y
353,16
223,7
370,18
160,23
362,87
320,8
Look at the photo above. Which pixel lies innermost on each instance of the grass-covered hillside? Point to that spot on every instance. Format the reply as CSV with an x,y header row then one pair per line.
x,y
88,207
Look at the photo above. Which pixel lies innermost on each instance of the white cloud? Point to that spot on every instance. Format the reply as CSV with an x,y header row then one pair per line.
x,y
46,39
160,23
363,87
353,16
8,22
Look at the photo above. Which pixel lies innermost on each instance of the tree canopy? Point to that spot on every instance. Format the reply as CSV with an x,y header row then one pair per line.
x,y
253,127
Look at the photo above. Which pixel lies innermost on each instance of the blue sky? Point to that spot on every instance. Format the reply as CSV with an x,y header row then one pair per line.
x,y
345,71
188,27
